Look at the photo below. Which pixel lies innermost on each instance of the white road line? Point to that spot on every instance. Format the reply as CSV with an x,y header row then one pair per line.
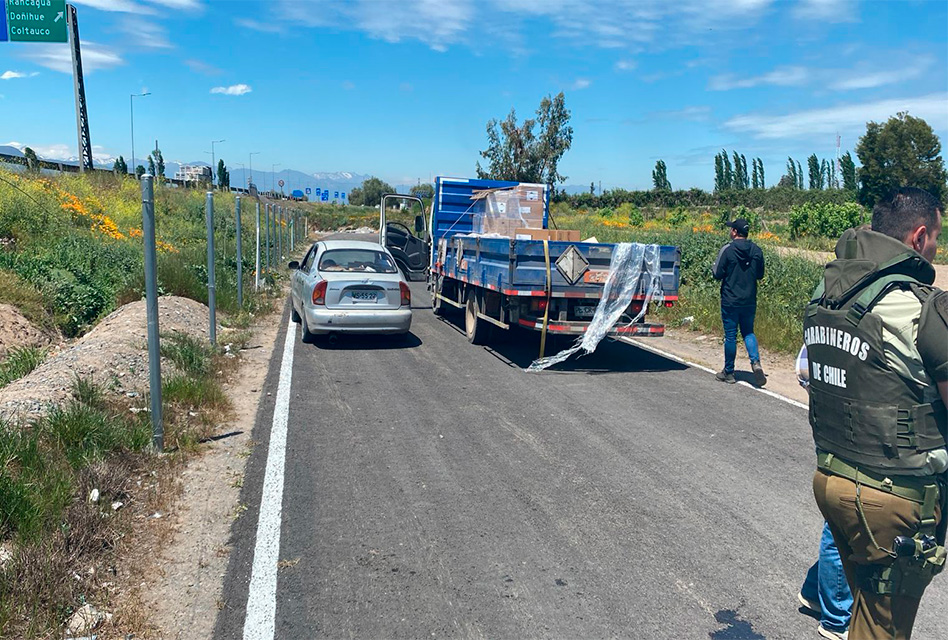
x,y
672,356
260,622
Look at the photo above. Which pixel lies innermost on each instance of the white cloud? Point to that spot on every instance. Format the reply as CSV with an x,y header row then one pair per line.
x,y
58,58
781,77
695,114
62,151
826,10
190,5
12,75
146,34
581,83
816,122
256,25
233,90
348,85
202,67
123,6
625,65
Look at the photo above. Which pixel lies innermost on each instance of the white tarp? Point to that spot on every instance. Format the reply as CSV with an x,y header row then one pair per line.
x,y
635,269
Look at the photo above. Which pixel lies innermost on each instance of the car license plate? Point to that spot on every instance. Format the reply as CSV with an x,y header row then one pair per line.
x,y
365,295
585,311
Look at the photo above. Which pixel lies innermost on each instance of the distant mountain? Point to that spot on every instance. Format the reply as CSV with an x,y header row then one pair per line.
x,y
341,181
11,151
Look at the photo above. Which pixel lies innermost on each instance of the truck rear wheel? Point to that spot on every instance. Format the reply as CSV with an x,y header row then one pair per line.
x,y
477,330
438,306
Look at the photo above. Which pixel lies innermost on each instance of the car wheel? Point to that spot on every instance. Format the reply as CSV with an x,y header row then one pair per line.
x,y
307,337
293,315
477,330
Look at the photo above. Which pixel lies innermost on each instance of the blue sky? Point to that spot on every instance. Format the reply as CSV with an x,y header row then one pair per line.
x,y
403,90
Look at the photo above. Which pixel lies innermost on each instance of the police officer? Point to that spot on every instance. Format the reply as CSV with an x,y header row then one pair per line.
x,y
877,341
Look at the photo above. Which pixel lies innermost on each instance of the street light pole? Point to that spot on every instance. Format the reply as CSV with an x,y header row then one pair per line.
x,y
131,110
214,160
250,178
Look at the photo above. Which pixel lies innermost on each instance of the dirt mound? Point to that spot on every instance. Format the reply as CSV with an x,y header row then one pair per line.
x,y
16,331
114,354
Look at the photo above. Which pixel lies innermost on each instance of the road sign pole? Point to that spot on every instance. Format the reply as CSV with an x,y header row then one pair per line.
x,y
82,116
256,262
211,297
151,309
240,264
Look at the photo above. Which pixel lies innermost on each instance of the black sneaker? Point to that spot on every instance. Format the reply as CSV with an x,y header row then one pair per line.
x,y
760,378
724,376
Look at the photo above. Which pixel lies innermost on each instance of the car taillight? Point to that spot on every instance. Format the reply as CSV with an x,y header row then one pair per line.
x,y
669,303
319,293
541,304
406,294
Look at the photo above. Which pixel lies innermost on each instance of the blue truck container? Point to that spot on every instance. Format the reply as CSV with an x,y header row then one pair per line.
x,y
503,282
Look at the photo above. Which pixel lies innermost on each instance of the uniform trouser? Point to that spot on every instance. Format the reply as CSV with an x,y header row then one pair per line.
x,y
874,616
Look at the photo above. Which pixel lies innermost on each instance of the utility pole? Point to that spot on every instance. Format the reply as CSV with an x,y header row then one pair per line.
x,y
131,109
214,161
82,114
250,178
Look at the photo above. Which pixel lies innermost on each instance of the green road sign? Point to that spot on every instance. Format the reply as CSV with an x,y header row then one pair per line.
x,y
36,20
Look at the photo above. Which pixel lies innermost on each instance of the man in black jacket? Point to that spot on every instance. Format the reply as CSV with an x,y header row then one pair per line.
x,y
739,266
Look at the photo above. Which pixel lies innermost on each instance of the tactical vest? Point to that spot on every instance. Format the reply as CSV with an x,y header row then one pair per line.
x,y
860,409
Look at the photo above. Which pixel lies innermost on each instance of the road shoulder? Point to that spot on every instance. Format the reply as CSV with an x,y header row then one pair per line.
x,y
186,593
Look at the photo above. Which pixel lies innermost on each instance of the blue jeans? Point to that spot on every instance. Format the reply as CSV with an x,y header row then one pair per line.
x,y
826,583
732,318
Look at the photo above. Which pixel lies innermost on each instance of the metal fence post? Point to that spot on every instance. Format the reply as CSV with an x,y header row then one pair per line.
x,y
256,262
292,231
151,309
268,237
240,264
280,234
211,293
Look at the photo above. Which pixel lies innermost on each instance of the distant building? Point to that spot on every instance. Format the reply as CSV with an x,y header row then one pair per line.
x,y
193,173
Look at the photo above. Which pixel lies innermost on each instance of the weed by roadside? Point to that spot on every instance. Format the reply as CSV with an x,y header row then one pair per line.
x,y
19,362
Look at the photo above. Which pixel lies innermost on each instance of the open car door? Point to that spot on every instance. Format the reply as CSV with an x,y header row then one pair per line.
x,y
410,248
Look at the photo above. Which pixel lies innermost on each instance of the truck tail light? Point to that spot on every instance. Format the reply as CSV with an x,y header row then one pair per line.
x,y
319,293
541,304
406,294
669,303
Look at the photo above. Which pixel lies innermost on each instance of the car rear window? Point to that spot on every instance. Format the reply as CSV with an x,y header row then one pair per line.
x,y
362,260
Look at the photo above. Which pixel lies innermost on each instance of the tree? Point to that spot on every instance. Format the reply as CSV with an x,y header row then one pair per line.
x,y
159,163
515,152
32,161
223,175
728,171
151,166
719,173
826,174
120,167
745,179
660,177
139,171
849,172
760,167
816,177
902,152
791,174
799,176
754,182
371,191
424,191
355,196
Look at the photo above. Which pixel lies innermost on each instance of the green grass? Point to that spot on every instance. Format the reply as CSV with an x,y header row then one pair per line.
x,y
190,356
20,362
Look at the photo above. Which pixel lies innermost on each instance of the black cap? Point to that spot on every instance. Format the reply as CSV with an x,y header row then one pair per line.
x,y
740,225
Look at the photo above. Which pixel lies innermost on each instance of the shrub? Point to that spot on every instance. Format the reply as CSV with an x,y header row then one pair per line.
x,y
827,220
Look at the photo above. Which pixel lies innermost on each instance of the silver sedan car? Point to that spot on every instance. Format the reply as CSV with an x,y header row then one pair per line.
x,y
349,286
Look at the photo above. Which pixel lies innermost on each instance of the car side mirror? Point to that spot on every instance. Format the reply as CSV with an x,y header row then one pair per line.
x,y
294,264
419,224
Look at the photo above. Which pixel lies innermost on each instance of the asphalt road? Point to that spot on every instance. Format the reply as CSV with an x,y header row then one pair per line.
x,y
434,489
